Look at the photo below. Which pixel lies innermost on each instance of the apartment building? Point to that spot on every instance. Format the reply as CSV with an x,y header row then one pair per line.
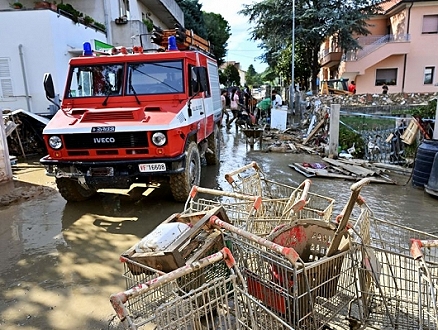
x,y
41,37
400,51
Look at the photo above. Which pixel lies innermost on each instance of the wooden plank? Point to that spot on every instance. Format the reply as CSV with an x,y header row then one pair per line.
x,y
358,170
316,129
301,169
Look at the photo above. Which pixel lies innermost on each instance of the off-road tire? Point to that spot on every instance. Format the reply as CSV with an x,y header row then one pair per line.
x,y
181,184
214,144
72,191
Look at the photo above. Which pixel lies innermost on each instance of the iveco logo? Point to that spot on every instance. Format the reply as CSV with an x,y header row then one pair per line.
x,y
104,140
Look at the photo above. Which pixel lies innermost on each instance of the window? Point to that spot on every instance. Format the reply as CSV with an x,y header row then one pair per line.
x,y
430,24
98,80
386,76
428,75
5,79
155,78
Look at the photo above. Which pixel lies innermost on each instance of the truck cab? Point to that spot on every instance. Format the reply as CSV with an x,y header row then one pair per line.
x,y
134,117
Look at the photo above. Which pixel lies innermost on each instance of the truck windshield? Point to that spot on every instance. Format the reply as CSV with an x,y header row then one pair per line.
x,y
96,80
155,78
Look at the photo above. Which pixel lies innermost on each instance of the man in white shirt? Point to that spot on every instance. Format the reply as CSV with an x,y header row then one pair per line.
x,y
277,102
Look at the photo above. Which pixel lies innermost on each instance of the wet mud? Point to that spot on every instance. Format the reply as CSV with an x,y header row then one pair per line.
x,y
59,261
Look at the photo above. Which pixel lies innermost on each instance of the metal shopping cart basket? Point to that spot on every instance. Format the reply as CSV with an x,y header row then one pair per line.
x,y
315,285
389,289
427,283
250,180
252,213
163,301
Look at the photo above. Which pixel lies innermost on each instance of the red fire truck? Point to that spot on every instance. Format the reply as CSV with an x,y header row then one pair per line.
x,y
135,117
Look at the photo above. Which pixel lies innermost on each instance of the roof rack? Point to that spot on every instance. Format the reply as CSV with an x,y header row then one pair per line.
x,y
186,39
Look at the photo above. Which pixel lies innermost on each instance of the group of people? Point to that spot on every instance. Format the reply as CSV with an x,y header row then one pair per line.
x,y
239,104
352,88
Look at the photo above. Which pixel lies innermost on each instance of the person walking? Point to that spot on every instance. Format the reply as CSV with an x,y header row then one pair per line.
x,y
385,88
234,105
226,103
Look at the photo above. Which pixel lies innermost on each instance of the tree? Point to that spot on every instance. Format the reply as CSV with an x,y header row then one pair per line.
x,y
218,31
315,20
232,75
193,18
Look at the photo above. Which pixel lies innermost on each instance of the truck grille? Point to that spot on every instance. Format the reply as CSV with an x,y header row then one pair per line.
x,y
106,140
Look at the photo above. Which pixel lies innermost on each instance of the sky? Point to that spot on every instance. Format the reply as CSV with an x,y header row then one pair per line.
x,y
240,49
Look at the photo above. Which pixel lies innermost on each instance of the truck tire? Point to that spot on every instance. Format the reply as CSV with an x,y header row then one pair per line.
x,y
72,191
214,144
181,184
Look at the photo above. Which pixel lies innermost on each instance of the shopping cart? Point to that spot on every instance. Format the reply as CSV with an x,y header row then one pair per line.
x,y
252,213
389,291
314,288
250,180
427,284
170,301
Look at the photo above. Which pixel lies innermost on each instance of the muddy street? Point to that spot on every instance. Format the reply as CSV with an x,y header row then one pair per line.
x,y
59,261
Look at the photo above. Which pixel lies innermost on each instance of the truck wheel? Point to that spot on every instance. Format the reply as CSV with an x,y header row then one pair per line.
x,y
72,191
181,184
214,144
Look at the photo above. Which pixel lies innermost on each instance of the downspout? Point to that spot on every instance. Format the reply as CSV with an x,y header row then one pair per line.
x,y
406,55
23,71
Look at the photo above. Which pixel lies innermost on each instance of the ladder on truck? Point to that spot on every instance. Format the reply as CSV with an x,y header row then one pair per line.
x,y
186,39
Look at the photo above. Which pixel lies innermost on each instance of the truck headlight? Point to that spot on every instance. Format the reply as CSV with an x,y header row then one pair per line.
x,y
55,142
159,139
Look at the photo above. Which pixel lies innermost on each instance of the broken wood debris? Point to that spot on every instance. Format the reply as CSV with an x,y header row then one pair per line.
x,y
347,170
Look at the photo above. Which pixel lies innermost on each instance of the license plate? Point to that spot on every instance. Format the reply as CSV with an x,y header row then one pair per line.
x,y
154,167
103,129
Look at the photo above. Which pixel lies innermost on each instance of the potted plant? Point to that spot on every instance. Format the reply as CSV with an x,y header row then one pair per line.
x,y
42,5
17,5
149,24
88,20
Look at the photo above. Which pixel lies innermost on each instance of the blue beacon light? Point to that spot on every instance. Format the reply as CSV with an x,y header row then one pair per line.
x,y
172,43
87,49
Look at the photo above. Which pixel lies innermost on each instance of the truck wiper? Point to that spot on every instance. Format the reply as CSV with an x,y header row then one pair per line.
x,y
131,89
105,102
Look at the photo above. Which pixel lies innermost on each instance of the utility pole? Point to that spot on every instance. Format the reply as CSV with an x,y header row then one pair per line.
x,y
292,90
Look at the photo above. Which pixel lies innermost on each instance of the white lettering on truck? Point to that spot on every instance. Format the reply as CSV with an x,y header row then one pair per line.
x,y
104,140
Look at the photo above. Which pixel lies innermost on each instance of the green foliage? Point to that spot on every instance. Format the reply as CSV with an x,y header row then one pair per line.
x,y
218,31
426,111
149,24
232,76
252,78
193,18
347,138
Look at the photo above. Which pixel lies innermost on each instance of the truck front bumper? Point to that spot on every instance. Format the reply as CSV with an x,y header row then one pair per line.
x,y
115,173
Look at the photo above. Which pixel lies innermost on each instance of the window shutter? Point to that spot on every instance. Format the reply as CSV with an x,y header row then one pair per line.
x,y
5,79
430,24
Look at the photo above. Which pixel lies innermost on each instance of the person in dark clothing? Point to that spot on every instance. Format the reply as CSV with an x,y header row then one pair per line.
x,y
384,89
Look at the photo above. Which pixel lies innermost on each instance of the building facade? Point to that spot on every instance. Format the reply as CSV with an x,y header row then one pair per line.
x,y
42,37
400,51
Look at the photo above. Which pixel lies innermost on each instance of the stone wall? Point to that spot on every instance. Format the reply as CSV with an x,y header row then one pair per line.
x,y
373,103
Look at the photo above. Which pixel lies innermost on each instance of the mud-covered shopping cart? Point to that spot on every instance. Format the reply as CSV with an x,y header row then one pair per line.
x,y
250,180
252,213
427,282
390,293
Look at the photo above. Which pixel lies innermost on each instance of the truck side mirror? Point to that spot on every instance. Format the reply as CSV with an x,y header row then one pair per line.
x,y
194,81
48,86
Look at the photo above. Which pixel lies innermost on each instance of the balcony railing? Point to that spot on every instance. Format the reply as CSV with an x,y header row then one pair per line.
x,y
371,43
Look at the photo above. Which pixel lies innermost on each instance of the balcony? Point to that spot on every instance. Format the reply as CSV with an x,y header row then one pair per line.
x,y
374,50
167,10
330,58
